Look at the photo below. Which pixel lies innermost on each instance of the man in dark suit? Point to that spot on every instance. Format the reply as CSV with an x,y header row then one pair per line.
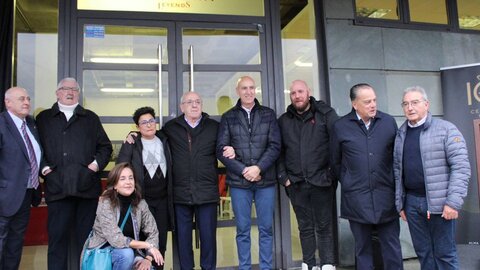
x,y
20,155
76,150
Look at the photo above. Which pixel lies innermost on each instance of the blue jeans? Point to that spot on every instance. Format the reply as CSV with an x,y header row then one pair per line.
x,y
242,207
434,238
122,258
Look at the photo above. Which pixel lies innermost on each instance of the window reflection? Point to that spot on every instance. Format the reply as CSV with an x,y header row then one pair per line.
x,y
222,46
35,62
469,14
217,89
374,9
428,11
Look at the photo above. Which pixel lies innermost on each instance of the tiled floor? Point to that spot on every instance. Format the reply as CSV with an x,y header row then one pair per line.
x,y
35,258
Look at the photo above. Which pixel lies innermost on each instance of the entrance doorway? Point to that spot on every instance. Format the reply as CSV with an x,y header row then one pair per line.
x,y
126,64
118,64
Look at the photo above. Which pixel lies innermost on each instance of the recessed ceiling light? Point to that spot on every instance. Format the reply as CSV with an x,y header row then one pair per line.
x,y
127,90
117,60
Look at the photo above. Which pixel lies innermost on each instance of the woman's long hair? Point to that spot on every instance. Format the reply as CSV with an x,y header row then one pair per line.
x,y
113,177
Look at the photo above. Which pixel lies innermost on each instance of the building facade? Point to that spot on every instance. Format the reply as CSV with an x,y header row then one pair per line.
x,y
127,54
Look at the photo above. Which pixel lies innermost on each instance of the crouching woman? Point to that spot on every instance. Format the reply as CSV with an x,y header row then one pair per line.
x,y
129,252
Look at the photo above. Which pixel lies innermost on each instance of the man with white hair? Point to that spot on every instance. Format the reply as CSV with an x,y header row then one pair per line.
x,y
77,149
432,172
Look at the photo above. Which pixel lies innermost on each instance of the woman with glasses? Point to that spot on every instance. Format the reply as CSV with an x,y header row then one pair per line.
x,y
150,157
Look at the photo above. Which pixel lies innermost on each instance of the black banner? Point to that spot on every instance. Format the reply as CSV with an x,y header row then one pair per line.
x,y
461,106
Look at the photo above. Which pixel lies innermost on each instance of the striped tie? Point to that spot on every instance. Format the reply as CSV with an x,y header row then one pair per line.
x,y
33,179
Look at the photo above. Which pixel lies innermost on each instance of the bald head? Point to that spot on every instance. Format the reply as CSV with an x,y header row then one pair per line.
x,y
246,91
17,101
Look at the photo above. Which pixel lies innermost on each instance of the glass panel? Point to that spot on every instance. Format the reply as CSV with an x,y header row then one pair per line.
x,y
300,62
375,9
217,89
36,50
299,45
428,11
226,7
469,14
121,44
120,93
222,46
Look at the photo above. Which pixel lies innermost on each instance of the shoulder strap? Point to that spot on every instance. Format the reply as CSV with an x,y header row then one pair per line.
x,y
126,216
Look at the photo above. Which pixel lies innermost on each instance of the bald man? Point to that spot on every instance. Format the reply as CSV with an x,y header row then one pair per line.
x,y
248,144
20,155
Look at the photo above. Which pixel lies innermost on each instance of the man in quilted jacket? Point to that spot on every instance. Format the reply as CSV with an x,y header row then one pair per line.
x,y
432,171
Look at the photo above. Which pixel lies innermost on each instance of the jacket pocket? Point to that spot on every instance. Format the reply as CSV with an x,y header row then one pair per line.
x,y
3,183
86,178
53,182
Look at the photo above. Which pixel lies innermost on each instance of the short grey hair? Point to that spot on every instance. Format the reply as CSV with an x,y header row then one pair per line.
x,y
68,79
418,89
182,99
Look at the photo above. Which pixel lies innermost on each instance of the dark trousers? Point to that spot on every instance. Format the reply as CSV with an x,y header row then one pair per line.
x,y
65,216
206,222
388,236
12,234
159,210
313,207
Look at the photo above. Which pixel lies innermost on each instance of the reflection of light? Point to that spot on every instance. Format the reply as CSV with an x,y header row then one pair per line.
x,y
258,90
299,63
379,13
469,21
127,90
124,60
372,12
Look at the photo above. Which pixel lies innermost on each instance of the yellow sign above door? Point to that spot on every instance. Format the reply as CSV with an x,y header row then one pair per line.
x,y
217,7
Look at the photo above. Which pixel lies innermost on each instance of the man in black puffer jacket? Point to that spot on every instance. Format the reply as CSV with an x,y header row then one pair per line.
x,y
248,144
193,137
304,169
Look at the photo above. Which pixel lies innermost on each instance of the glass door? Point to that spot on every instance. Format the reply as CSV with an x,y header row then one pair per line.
x,y
119,63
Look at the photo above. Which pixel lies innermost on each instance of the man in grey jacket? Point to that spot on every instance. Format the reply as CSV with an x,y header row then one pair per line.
x,y
432,171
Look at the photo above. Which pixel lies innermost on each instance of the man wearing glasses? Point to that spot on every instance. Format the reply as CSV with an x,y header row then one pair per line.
x,y
193,137
76,149
432,172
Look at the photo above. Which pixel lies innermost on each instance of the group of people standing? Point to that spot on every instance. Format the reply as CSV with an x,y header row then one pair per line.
x,y
165,179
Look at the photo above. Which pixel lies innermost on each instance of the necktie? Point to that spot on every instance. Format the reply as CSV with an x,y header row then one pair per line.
x,y
33,179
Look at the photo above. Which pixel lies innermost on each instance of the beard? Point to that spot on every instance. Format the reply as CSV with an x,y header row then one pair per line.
x,y
301,107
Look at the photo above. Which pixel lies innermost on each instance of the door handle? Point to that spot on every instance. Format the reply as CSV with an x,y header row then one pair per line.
x,y
190,60
160,88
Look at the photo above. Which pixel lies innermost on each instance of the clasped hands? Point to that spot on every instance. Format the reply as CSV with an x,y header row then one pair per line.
x,y
251,173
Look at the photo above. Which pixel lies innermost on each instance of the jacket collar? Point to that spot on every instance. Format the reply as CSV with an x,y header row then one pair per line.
x,y
426,125
181,120
79,110
255,107
310,113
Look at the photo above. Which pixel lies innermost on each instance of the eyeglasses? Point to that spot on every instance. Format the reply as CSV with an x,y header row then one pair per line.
x,y
151,121
191,102
64,88
413,103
